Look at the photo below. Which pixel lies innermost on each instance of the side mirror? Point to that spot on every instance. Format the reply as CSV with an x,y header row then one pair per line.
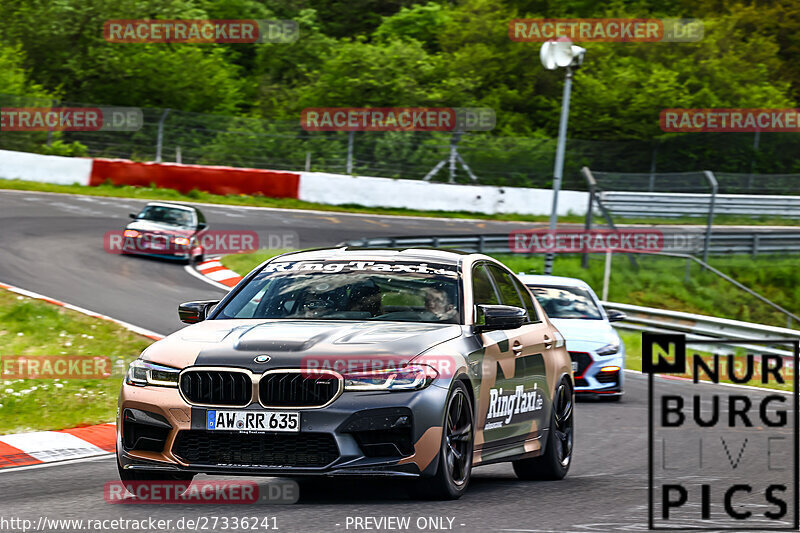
x,y
201,226
616,316
131,215
194,312
500,317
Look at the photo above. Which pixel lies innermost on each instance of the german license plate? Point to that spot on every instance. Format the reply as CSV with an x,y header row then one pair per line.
x,y
574,367
262,421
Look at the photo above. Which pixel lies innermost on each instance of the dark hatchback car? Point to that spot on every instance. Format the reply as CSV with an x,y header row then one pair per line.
x,y
167,230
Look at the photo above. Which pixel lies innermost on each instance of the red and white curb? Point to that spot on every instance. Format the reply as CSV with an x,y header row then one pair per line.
x,y
40,447
130,327
212,270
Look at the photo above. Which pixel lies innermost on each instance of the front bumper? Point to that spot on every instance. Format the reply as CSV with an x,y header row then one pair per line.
x,y
348,432
591,380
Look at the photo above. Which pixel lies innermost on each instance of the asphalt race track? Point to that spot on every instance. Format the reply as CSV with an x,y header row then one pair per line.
x,y
52,244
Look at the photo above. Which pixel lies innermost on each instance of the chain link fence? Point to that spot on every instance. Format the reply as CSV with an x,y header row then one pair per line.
x,y
738,159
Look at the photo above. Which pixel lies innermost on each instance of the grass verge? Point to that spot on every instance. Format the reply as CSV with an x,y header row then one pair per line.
x,y
155,193
33,328
244,263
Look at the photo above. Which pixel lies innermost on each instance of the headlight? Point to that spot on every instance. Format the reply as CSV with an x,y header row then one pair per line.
x,y
182,241
608,349
142,373
130,233
411,377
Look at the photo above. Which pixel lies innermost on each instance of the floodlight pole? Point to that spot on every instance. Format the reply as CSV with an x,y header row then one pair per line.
x,y
558,169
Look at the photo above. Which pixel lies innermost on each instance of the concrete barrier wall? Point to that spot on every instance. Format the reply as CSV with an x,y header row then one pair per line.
x,y
44,168
336,189
331,189
184,178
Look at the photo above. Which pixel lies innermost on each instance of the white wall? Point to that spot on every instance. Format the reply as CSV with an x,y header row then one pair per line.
x,y
45,168
337,189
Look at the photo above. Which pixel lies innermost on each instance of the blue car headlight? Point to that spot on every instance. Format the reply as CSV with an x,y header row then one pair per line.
x,y
141,373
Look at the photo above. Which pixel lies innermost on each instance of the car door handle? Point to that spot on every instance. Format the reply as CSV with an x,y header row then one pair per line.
x,y
517,348
547,343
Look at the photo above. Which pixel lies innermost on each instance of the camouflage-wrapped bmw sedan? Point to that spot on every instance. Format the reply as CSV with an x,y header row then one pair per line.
x,y
414,363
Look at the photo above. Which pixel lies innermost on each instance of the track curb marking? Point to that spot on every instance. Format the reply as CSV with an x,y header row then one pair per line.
x,y
39,447
213,270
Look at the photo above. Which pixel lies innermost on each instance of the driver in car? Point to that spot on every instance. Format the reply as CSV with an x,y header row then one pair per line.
x,y
438,304
317,303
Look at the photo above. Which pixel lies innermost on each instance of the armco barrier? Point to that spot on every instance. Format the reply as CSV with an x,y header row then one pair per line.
x,y
184,178
703,328
670,205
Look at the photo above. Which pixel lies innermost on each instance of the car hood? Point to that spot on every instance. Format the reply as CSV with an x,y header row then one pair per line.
x,y
598,331
290,343
149,226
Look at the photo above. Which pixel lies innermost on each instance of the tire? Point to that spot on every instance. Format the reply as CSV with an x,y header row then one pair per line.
x,y
455,454
554,463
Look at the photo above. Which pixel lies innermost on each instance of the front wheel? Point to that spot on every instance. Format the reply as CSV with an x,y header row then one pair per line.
x,y
555,462
455,455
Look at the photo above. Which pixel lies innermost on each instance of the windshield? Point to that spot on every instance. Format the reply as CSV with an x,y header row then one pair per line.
x,y
567,302
354,290
166,215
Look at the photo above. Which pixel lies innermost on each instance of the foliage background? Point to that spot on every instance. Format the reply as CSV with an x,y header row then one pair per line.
x,y
406,53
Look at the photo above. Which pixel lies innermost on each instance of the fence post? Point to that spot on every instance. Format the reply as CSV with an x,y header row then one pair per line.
x,y
652,184
350,152
756,139
755,244
160,139
606,275
588,224
308,161
687,274
714,186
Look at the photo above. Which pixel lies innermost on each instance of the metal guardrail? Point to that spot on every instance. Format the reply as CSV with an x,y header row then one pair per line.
x,y
702,327
674,205
679,240
595,196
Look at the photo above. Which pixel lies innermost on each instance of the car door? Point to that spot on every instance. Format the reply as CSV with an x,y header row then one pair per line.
x,y
489,364
522,399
